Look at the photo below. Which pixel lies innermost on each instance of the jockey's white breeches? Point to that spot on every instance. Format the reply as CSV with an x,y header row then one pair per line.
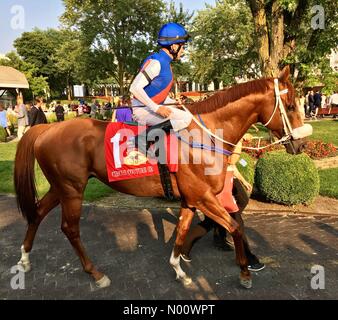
x,y
179,119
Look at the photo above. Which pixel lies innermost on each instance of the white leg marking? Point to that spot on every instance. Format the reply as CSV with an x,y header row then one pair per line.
x,y
180,274
24,261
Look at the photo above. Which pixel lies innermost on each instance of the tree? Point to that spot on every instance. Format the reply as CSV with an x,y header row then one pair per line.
x,y
123,31
223,47
41,49
179,15
293,31
69,59
319,74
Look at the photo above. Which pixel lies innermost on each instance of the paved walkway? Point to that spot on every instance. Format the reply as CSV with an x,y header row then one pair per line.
x,y
133,247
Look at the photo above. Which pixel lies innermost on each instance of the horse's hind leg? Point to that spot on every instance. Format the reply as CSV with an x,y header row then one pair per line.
x,y
46,204
183,226
71,212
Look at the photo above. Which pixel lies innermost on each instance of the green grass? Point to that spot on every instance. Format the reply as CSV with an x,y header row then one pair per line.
x,y
327,131
94,191
329,183
7,154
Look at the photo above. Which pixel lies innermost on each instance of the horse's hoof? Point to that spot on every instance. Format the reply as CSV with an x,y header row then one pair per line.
x,y
246,283
186,281
104,282
25,266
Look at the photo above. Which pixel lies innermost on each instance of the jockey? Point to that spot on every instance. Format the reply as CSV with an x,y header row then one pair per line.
x,y
152,84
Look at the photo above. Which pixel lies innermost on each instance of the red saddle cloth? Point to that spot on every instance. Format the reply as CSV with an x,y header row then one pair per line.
x,y
123,163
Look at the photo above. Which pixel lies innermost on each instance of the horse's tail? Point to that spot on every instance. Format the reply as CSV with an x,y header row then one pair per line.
x,y
24,178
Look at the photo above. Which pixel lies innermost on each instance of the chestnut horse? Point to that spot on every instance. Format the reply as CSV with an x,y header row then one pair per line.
x,y
71,152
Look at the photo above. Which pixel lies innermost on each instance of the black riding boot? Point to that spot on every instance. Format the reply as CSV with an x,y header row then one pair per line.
x,y
141,140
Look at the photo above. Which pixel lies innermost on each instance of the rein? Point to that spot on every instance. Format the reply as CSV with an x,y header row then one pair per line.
x,y
278,104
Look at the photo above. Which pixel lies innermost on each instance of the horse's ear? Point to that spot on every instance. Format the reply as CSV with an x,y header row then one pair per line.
x,y
285,74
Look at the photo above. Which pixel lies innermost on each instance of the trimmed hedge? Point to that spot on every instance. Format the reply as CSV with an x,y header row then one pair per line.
x,y
287,179
246,167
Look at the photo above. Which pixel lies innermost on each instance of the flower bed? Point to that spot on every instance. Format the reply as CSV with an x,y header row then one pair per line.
x,y
315,149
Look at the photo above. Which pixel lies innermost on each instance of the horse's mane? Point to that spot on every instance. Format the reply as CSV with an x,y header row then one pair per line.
x,y
224,97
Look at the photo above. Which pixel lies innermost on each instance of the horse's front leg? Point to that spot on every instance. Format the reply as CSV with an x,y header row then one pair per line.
x,y
183,226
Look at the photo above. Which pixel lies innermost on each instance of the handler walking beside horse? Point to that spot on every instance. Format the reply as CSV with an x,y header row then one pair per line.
x,y
234,198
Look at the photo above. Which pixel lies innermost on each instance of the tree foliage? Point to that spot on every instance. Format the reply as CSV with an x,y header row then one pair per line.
x,y
223,47
44,49
122,31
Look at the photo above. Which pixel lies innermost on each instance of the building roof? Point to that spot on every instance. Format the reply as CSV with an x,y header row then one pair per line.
x,y
12,78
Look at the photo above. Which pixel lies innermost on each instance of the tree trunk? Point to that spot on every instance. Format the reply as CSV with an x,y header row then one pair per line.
x,y
260,22
269,26
121,78
69,89
277,39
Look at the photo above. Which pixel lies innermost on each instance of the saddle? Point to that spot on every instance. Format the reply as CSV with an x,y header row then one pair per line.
x,y
144,145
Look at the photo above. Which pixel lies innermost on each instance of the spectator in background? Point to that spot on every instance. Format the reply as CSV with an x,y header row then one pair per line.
x,y
317,101
324,101
334,100
28,108
124,112
37,116
107,110
311,102
94,109
301,106
60,112
22,115
3,119
80,110
306,105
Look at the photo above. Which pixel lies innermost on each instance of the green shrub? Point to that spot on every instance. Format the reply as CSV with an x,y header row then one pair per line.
x,y
99,116
12,119
3,134
246,166
51,117
70,115
287,179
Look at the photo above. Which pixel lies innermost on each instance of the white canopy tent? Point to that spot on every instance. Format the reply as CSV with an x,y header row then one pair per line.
x,y
11,78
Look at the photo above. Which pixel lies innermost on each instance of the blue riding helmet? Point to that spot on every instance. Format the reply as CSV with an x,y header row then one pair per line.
x,y
172,33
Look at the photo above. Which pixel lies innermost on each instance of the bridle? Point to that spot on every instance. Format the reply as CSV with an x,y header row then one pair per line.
x,y
279,105
288,131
